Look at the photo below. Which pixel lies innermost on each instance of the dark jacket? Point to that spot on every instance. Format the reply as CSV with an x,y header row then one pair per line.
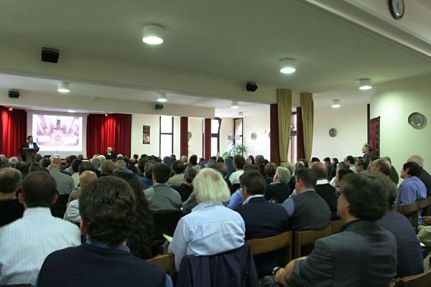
x,y
363,254
264,219
311,212
234,268
328,193
426,179
10,210
88,265
409,252
277,192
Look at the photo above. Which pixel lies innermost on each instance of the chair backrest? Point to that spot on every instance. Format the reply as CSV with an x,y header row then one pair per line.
x,y
336,225
425,205
273,243
420,280
166,221
411,211
166,262
307,238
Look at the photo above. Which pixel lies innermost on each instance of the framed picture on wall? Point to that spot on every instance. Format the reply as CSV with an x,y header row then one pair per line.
x,y
146,134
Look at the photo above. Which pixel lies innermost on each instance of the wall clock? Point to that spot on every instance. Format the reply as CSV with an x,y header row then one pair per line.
x,y
397,8
332,132
417,120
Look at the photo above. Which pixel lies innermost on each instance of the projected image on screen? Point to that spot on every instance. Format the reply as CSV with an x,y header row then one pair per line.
x,y
57,132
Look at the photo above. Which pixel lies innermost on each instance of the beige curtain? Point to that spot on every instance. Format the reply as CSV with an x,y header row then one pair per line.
x,y
307,121
284,103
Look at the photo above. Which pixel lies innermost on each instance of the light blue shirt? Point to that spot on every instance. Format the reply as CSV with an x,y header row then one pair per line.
x,y
236,199
209,229
411,190
25,243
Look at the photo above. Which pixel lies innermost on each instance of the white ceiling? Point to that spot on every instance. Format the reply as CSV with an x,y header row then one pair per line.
x,y
233,40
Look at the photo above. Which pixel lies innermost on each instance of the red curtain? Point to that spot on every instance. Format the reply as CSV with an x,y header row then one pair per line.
x,y
113,130
374,135
184,136
300,152
13,129
273,128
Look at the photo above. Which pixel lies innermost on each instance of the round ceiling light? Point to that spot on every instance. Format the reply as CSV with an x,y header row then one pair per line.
x,y
287,66
365,84
152,35
63,87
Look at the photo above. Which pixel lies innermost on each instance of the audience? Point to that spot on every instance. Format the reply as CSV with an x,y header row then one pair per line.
x,y
26,242
278,191
64,182
409,253
262,219
161,196
177,179
362,254
412,189
424,175
323,188
10,207
210,228
72,210
185,189
306,209
108,209
238,163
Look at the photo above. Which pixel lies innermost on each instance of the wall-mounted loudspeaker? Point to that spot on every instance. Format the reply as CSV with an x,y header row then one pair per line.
x,y
158,106
50,55
13,94
251,86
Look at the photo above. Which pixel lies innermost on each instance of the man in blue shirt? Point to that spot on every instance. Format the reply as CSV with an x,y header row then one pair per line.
x,y
108,214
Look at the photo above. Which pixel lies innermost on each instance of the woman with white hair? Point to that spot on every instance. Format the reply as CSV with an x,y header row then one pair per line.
x,y
210,228
278,191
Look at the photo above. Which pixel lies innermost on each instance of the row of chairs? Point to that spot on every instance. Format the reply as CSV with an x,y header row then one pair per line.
x,y
294,241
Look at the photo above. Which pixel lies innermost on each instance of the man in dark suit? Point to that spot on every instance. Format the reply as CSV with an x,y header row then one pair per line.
x,y
409,253
108,212
262,219
110,154
306,209
10,207
424,176
29,145
362,254
323,188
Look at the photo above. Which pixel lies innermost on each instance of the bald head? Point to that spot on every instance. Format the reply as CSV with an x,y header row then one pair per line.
x,y
320,170
56,159
86,177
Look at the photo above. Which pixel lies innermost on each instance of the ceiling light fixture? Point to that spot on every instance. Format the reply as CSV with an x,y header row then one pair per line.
x,y
152,35
162,98
234,105
71,111
63,87
287,66
336,104
365,84
106,115
10,109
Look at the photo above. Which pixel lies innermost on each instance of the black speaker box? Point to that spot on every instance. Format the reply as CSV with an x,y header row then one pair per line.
x,y
50,55
158,106
13,94
251,86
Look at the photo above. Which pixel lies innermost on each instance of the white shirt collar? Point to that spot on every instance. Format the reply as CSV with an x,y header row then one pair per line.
x,y
37,211
250,197
322,181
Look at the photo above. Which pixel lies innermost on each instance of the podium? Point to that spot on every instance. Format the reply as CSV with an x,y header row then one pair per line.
x,y
28,154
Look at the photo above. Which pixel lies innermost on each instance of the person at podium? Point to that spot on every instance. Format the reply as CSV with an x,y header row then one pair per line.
x,y
29,149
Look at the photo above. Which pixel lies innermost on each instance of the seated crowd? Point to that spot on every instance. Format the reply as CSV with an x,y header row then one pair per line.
x,y
95,222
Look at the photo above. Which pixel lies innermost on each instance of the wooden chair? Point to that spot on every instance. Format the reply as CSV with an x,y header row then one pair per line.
x,y
336,225
420,280
166,262
273,243
307,238
411,211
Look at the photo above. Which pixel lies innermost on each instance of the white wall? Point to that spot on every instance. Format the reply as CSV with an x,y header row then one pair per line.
x,y
139,120
257,122
351,125
394,102
226,131
195,143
